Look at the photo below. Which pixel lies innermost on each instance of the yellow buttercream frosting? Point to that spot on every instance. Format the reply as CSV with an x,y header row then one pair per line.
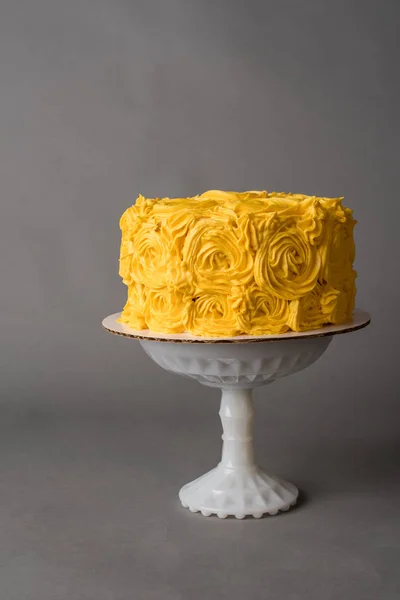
x,y
228,263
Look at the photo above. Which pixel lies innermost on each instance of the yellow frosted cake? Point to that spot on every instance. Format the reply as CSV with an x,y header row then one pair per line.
x,y
228,263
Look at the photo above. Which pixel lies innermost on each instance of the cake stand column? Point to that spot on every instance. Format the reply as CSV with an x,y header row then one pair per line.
x,y
236,413
237,487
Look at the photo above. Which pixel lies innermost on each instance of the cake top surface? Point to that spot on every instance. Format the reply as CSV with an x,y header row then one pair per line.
x,y
224,196
249,197
212,202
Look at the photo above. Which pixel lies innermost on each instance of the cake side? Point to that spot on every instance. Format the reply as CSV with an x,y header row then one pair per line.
x,y
227,263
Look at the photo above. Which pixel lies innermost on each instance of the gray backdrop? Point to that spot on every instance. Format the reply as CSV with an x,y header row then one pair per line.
x,y
101,100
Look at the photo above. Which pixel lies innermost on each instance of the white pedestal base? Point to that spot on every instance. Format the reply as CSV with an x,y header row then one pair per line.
x,y
236,365
239,493
237,486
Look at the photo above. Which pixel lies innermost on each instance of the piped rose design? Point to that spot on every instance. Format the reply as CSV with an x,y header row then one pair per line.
x,y
134,309
286,265
210,314
152,256
164,309
315,309
216,257
259,312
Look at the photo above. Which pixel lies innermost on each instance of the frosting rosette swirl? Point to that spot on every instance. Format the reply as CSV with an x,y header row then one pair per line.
x,y
346,298
313,310
134,309
337,245
164,309
260,312
216,257
152,257
210,314
340,262
312,222
286,265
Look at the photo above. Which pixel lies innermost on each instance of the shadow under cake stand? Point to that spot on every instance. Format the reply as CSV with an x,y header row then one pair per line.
x,y
237,486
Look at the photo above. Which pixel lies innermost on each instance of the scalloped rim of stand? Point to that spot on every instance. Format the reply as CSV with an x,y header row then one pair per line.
x,y
221,514
360,320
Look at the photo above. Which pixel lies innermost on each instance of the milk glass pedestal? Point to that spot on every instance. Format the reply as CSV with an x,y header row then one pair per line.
x,y
237,486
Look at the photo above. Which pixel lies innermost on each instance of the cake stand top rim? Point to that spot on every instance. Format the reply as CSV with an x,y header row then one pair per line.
x,y
360,320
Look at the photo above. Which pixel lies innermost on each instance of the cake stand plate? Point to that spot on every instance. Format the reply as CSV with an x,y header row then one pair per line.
x,y
237,486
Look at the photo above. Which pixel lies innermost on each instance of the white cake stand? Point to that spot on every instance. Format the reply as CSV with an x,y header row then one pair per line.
x,y
236,365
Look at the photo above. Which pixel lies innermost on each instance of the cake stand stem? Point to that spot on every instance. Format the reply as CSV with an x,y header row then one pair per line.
x,y
237,412
237,486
